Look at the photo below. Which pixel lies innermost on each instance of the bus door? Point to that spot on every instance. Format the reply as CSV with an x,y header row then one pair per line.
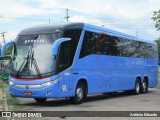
x,y
64,73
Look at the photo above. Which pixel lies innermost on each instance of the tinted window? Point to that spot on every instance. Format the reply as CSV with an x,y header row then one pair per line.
x,y
116,46
68,48
89,44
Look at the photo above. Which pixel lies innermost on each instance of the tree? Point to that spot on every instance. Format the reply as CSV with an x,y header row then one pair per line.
x,y
158,44
156,18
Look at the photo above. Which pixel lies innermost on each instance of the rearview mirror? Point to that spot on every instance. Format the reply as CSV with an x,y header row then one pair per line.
x,y
3,49
56,44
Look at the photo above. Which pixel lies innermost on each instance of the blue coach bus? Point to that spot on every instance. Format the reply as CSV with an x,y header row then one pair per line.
x,y
78,59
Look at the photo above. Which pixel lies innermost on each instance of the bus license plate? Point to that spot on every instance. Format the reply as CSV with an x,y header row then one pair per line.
x,y
27,93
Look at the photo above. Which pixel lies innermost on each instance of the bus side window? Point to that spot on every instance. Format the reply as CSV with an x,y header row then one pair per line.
x,y
89,45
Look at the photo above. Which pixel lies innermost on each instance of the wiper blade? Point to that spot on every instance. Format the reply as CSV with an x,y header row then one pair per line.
x,y
33,61
29,60
36,67
22,66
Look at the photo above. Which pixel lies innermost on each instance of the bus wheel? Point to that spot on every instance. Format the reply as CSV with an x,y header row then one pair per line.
x,y
40,100
136,90
144,86
79,94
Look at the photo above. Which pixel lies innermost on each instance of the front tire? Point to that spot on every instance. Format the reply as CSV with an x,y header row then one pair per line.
x,y
80,94
40,100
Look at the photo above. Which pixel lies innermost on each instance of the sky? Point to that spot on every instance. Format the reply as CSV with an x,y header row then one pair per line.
x,y
128,16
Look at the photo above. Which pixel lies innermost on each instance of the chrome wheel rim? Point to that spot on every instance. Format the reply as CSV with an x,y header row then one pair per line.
x,y
137,87
144,86
79,93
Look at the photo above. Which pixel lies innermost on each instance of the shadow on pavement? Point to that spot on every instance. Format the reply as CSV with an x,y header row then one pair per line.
x,y
90,98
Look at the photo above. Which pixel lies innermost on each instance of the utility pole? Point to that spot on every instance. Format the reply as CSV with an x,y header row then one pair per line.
x,y
137,33
67,17
49,21
3,36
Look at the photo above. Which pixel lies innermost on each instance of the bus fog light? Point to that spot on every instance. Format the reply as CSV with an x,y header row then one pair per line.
x,y
48,93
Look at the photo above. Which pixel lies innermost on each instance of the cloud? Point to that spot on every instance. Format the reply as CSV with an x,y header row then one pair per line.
x,y
122,15
11,35
113,8
16,8
153,33
19,9
81,18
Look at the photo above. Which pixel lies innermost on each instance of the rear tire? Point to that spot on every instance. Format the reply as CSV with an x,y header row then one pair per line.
x,y
137,87
144,86
40,100
80,94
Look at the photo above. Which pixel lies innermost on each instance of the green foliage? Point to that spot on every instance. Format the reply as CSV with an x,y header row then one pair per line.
x,y
158,43
156,18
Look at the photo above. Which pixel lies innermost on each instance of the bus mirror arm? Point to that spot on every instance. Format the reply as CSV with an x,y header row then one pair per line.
x,y
56,45
3,49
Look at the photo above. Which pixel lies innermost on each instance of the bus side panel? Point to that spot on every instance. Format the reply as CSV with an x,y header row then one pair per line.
x,y
86,67
64,83
105,67
152,67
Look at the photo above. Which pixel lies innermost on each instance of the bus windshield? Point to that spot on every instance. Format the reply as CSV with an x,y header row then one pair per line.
x,y
33,56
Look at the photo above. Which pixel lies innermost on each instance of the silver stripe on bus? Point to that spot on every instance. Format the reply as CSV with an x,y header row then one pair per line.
x,y
29,86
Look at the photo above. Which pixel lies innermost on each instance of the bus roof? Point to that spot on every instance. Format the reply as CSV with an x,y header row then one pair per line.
x,y
51,28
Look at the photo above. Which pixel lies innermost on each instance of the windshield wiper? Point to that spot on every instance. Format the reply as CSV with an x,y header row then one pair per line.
x,y
33,61
21,67
29,59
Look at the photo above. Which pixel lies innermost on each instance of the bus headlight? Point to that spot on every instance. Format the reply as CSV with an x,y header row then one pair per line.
x,y
11,83
46,84
50,83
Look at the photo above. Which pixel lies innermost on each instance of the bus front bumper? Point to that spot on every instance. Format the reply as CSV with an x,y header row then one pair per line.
x,y
31,92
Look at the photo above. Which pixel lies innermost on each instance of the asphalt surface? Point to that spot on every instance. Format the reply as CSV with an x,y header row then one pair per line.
x,y
115,102
103,102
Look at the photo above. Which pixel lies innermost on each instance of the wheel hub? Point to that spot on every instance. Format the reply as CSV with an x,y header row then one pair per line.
x,y
144,86
79,93
137,87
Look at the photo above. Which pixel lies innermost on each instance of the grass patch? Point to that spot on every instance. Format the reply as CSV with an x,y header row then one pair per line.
x,y
3,85
13,103
1,102
2,118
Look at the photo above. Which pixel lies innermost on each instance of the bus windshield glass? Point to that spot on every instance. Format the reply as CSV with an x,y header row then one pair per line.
x,y
33,56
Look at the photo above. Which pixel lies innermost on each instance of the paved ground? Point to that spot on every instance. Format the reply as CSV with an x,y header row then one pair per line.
x,y
116,102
